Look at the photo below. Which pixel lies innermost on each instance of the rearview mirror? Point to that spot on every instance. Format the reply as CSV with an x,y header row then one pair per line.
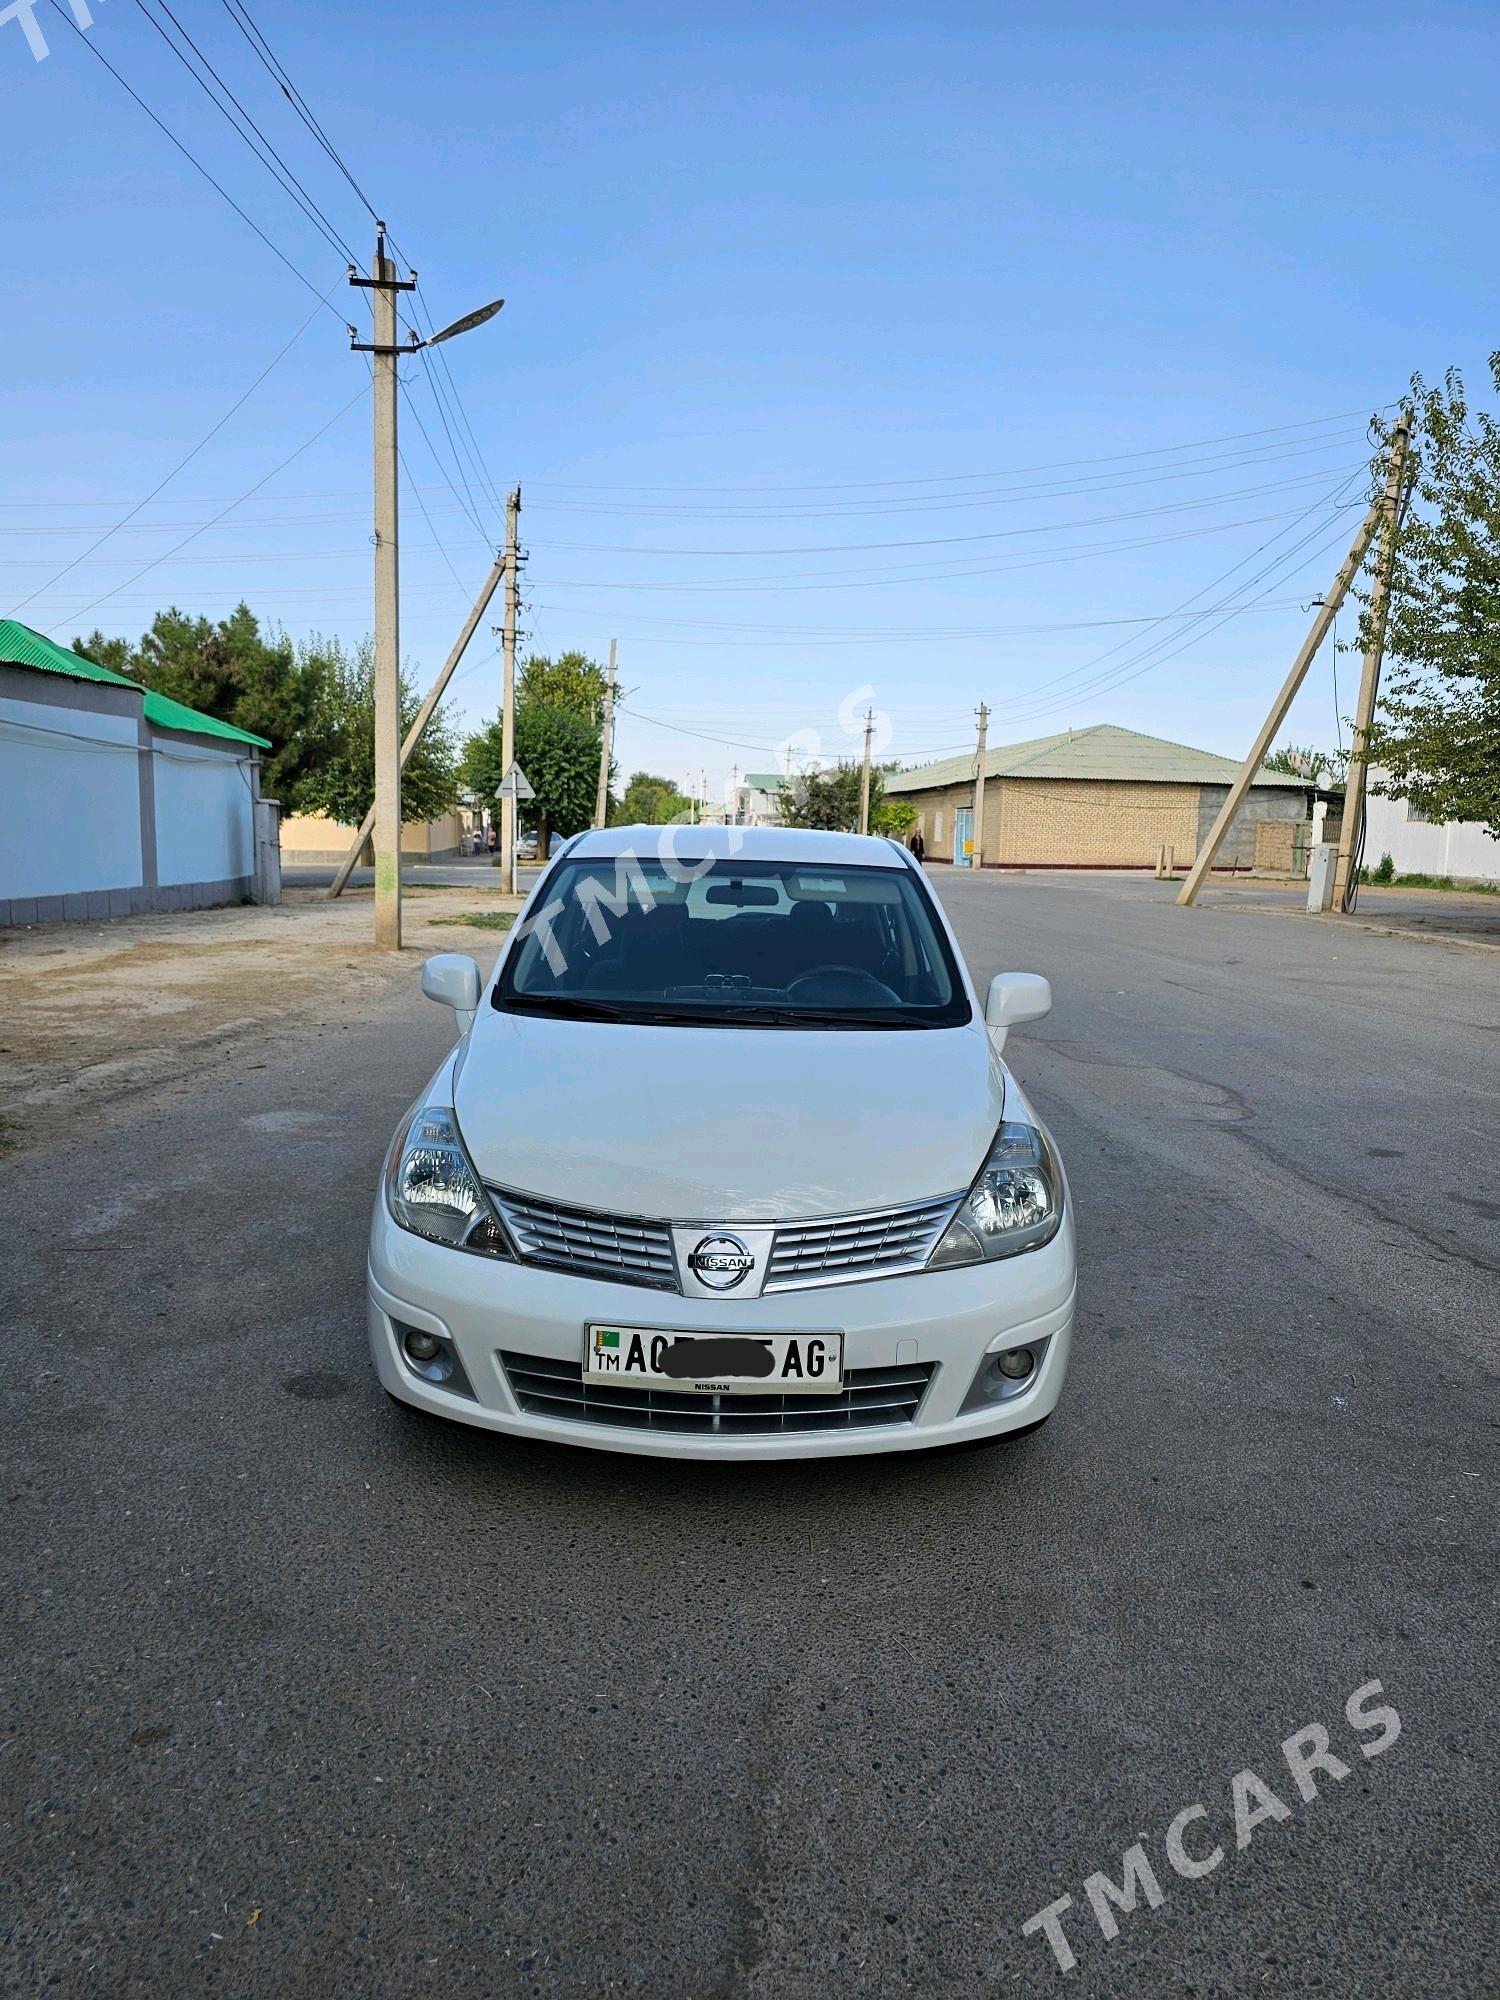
x,y
453,981
1013,997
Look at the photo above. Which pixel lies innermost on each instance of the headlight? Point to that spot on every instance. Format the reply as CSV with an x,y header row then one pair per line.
x,y
433,1191
1015,1204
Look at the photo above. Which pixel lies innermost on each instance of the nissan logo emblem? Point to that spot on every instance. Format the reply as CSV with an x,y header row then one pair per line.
x,y
720,1262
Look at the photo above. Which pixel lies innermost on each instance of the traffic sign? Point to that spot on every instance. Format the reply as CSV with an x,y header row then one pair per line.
x,y
515,784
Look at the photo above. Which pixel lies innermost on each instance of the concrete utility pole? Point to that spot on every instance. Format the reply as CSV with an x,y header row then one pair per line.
x,y
385,285
1328,611
508,709
864,776
423,716
1352,830
984,723
601,801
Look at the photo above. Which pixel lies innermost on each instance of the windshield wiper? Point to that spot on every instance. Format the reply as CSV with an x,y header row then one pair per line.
x,y
752,1016
567,1006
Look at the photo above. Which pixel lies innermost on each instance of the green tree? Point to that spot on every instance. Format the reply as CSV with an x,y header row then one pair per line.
x,y
572,681
559,752
893,817
558,749
1305,760
1437,730
829,801
343,785
650,801
232,670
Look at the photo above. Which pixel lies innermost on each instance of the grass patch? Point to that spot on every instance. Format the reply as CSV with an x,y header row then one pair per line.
x,y
481,920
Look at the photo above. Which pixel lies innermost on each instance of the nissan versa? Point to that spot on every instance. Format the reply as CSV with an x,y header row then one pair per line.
x,y
727,1164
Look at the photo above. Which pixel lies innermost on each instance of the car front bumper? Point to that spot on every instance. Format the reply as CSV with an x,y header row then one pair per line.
x,y
946,1320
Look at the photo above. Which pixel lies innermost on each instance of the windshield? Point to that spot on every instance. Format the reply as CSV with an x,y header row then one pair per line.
x,y
761,944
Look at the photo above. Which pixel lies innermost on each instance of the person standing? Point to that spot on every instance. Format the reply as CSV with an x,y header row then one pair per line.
x,y
918,845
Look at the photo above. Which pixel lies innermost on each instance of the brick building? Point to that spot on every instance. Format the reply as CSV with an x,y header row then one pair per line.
x,y
1100,798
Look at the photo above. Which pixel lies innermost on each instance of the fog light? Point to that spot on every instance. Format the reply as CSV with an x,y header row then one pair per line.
x,y
1017,1364
433,1359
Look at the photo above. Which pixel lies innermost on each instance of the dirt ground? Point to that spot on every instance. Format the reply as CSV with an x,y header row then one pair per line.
x,y
91,1014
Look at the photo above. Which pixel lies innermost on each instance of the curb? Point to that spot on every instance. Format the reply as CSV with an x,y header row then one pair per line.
x,y
1363,924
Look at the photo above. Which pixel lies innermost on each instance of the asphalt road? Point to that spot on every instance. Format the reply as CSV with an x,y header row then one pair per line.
x,y
303,1698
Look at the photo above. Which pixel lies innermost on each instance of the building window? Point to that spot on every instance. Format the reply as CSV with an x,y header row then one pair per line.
x,y
937,823
1416,816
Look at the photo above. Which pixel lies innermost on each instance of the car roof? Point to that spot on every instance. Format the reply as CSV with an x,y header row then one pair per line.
x,y
740,843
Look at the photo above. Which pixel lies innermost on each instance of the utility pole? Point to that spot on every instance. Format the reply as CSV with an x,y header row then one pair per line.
x,y
385,285
984,723
1328,611
508,709
864,776
601,801
1352,830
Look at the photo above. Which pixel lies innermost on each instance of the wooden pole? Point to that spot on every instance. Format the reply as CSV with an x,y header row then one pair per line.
x,y
1351,832
606,732
423,717
1327,612
984,723
508,704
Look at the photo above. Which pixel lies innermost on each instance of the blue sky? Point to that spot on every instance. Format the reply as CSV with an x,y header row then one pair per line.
x,y
785,287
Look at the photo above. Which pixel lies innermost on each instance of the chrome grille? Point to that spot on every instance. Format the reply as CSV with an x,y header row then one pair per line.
x,y
832,1250
871,1397
620,1247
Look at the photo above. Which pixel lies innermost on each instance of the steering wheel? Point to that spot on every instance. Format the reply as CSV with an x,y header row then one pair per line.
x,y
861,979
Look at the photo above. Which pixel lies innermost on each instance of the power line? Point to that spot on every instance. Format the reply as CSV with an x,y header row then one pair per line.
x,y
947,503
957,478
208,436
167,554
260,145
729,743
1005,499
247,26
956,541
93,47
909,574
1173,653
487,483
1143,662
468,509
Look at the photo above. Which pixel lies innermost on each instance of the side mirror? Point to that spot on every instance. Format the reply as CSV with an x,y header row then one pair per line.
x,y
453,981
1014,997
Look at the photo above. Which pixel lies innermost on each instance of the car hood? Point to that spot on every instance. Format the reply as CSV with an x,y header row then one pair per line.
x,y
725,1124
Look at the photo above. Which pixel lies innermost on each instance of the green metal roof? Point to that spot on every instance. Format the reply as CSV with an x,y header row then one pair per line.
x,y
21,647
764,781
1102,751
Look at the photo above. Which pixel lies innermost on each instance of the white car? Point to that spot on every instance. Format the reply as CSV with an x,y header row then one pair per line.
x,y
726,1164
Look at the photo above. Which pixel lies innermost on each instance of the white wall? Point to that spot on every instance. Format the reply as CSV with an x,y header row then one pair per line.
x,y
1461,848
205,822
69,801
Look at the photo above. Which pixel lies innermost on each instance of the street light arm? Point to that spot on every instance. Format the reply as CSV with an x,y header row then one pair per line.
x,y
466,324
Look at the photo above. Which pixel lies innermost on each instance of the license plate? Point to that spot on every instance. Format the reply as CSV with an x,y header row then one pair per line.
x,y
776,1364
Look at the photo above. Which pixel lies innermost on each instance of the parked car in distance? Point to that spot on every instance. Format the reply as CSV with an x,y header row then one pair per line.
x,y
727,1164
